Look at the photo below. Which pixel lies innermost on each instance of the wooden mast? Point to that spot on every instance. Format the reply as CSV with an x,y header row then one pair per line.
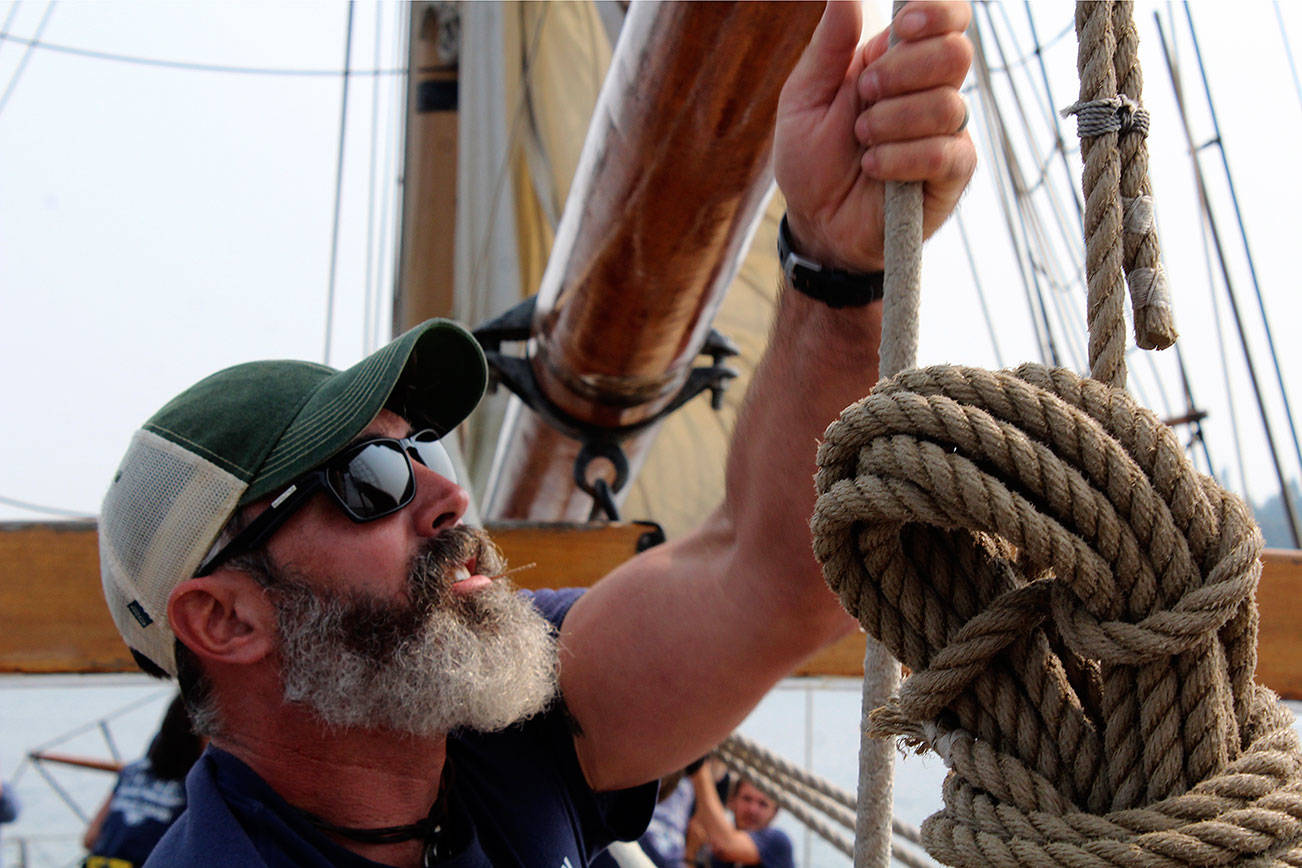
x,y
674,172
426,254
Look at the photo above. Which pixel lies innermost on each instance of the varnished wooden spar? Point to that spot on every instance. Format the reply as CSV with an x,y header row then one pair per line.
x,y
77,762
425,255
674,171
53,619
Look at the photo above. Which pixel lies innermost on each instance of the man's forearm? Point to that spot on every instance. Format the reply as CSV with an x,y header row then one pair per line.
x,y
819,360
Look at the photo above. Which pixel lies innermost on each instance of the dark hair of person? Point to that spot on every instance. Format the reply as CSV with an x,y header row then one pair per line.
x,y
175,748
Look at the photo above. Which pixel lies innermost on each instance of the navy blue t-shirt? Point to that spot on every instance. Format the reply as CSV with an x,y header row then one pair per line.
x,y
519,795
774,849
141,809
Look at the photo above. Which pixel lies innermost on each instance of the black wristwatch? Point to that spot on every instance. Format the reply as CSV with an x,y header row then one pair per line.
x,y
832,286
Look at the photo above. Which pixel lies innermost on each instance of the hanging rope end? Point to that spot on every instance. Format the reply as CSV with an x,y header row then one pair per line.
x,y
1150,300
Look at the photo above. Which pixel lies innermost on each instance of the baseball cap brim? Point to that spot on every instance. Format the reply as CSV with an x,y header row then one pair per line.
x,y
433,375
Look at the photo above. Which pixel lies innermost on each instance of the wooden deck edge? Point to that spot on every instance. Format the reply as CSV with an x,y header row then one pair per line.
x,y
53,619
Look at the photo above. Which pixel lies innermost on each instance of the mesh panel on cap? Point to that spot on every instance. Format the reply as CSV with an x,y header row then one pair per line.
x,y
159,519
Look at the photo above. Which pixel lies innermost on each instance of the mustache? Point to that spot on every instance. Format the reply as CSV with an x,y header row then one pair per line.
x,y
431,568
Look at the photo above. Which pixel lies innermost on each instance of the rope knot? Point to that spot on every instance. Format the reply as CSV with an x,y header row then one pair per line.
x,y
1098,117
1075,604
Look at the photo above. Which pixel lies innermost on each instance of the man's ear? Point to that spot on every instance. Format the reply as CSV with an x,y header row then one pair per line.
x,y
225,617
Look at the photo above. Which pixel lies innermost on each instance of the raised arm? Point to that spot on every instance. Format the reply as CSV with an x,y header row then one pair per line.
x,y
666,655
727,842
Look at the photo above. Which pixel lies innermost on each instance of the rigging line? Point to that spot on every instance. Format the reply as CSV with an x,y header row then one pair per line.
x,y
22,61
9,19
992,123
1206,205
1042,101
1063,304
1070,236
1288,51
1057,126
1137,384
1019,206
1186,387
1236,434
1247,250
339,187
390,211
190,66
368,285
1068,229
1020,62
991,128
49,510
981,293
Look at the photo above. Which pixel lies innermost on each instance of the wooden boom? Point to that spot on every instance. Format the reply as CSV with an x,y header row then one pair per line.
x,y
674,170
53,619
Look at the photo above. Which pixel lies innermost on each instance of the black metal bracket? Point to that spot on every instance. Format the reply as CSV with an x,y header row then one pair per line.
x,y
516,374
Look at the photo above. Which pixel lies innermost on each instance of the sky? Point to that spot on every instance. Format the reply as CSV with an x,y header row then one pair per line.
x,y
159,223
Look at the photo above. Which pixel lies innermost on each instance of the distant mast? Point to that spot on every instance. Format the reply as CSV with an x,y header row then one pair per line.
x,y
426,254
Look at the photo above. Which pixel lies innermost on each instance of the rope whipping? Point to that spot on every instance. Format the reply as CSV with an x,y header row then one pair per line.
x,y
1074,601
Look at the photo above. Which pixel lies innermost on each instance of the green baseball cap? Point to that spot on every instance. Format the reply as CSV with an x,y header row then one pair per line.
x,y
244,433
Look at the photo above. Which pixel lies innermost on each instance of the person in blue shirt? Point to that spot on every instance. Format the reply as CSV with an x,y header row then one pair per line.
x,y
287,540
748,837
8,804
148,797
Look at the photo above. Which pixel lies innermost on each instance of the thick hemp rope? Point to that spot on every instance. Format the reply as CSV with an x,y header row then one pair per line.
x,y
1120,233
1074,600
1075,604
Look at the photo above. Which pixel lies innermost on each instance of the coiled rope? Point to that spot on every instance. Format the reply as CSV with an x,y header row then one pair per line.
x,y
1074,600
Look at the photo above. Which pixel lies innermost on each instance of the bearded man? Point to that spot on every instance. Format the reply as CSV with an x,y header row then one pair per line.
x,y
287,541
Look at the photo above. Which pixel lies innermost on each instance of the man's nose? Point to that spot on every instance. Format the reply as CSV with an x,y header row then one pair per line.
x,y
439,502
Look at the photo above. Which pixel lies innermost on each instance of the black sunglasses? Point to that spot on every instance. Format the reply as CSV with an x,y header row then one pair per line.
x,y
368,480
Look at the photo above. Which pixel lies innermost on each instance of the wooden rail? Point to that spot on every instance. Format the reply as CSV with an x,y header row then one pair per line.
x,y
53,619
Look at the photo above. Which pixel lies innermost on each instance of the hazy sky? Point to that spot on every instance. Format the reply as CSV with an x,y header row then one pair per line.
x,y
157,224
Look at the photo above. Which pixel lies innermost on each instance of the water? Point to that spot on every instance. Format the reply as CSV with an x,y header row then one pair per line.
x,y
61,713
812,722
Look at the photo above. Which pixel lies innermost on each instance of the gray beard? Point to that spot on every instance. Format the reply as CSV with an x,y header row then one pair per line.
x,y
424,666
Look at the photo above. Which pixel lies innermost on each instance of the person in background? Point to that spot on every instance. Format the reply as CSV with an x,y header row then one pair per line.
x,y
664,841
148,797
747,838
8,807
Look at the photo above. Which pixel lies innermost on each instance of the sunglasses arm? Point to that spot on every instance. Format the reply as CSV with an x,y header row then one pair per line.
x,y
262,527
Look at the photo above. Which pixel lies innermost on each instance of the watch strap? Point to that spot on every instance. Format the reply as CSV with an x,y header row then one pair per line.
x,y
834,287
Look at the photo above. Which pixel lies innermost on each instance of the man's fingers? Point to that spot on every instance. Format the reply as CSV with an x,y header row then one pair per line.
x,y
944,161
916,66
937,112
821,70
924,18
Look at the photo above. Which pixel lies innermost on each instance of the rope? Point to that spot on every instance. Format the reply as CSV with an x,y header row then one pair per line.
x,y
1075,604
802,794
1120,230
1149,293
902,251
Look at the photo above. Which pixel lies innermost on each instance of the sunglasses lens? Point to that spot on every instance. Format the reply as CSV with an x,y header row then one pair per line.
x,y
374,481
427,449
